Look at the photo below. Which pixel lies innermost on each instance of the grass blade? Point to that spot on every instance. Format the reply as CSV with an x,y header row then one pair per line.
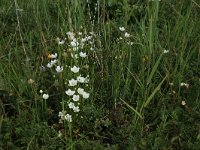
x,y
154,92
133,109
154,69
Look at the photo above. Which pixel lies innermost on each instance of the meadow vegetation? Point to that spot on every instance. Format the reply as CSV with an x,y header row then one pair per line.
x,y
100,74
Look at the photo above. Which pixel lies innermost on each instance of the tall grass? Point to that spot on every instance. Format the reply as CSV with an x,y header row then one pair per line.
x,y
144,89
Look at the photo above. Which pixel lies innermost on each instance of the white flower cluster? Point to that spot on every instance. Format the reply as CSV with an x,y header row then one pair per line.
x,y
126,35
63,116
165,51
77,43
53,62
75,91
185,84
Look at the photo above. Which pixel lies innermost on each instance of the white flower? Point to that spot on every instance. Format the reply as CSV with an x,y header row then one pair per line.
x,y
53,62
165,51
86,95
83,55
130,43
61,42
185,84
45,96
74,43
68,118
75,69
62,114
71,105
80,79
69,92
80,33
49,65
83,40
72,82
80,91
59,133
88,38
59,69
121,28
127,35
76,98
41,91
54,55
183,103
76,109
70,35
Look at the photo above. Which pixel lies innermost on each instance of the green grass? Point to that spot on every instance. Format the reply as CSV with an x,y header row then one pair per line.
x,y
136,99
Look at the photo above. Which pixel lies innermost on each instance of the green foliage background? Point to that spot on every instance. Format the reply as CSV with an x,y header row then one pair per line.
x,y
127,80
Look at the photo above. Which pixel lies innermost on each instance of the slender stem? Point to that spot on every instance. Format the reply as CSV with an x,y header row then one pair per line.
x,y
17,14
